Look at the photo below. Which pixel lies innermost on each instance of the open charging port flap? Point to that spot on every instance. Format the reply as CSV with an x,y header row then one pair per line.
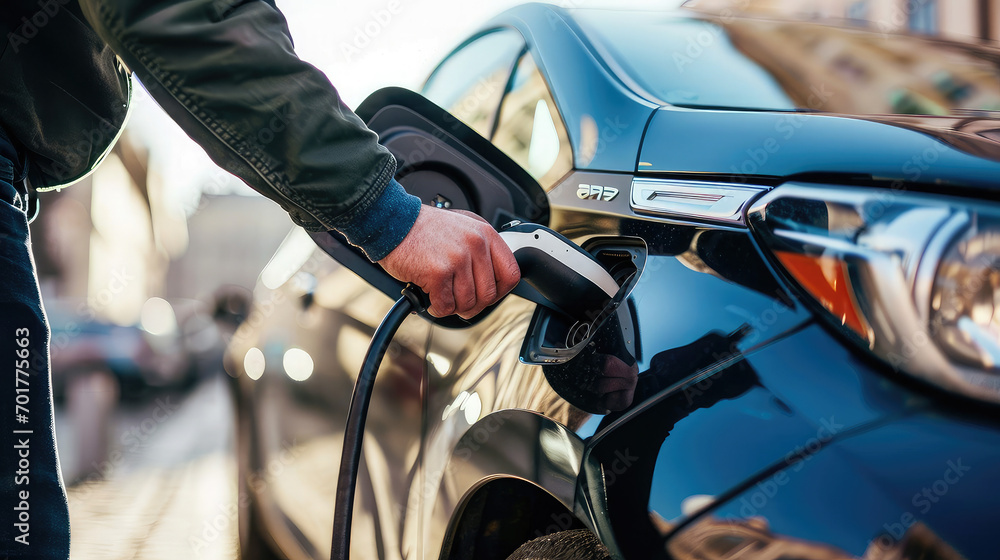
x,y
554,338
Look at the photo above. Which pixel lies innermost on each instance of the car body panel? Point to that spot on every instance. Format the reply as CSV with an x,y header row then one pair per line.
x,y
928,483
775,406
509,443
745,145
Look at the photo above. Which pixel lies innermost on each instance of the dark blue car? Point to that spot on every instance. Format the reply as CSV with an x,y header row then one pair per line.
x,y
807,365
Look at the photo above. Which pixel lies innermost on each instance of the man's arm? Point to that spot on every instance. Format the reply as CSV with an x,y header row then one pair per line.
x,y
226,71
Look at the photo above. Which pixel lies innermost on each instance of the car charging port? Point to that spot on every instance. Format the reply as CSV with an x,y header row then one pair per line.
x,y
554,338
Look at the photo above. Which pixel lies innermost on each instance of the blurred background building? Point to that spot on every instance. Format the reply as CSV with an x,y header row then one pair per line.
x,y
957,19
850,67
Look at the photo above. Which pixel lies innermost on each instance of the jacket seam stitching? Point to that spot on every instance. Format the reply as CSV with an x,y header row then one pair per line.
x,y
372,194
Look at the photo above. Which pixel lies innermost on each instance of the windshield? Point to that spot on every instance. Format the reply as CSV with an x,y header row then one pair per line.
x,y
743,63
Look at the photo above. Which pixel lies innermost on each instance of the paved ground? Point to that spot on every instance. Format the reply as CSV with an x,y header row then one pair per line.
x,y
159,481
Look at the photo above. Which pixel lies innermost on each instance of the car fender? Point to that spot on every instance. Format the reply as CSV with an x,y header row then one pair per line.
x,y
517,444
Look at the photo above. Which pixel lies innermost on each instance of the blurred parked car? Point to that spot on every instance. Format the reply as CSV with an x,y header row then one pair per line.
x,y
81,346
174,344
807,365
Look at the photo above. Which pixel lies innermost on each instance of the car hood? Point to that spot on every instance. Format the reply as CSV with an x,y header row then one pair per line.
x,y
755,146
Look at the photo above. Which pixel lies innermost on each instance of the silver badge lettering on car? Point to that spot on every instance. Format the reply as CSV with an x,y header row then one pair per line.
x,y
596,192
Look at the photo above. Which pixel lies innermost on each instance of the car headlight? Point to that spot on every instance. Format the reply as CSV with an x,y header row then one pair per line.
x,y
913,278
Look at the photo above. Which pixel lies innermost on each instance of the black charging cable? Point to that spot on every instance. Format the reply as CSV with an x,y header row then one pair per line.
x,y
414,300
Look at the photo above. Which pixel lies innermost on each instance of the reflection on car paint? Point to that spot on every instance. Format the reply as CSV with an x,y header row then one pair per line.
x,y
752,539
927,483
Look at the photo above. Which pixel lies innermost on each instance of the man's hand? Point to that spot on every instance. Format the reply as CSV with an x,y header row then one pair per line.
x,y
457,258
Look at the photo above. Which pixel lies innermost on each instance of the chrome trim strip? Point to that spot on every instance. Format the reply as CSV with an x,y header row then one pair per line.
x,y
721,202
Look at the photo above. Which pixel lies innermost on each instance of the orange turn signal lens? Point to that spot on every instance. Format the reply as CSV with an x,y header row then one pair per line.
x,y
826,279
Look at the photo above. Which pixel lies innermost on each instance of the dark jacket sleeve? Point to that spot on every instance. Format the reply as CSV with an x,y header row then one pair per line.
x,y
226,71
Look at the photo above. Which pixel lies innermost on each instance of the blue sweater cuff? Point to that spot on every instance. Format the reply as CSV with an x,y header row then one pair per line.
x,y
386,222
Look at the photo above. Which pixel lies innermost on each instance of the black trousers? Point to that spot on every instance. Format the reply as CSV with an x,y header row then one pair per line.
x,y
34,518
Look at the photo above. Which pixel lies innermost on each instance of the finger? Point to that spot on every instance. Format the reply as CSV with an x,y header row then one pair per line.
x,y
485,282
505,269
442,297
465,286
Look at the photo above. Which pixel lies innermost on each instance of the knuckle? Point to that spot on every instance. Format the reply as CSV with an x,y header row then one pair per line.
x,y
467,299
441,296
490,294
